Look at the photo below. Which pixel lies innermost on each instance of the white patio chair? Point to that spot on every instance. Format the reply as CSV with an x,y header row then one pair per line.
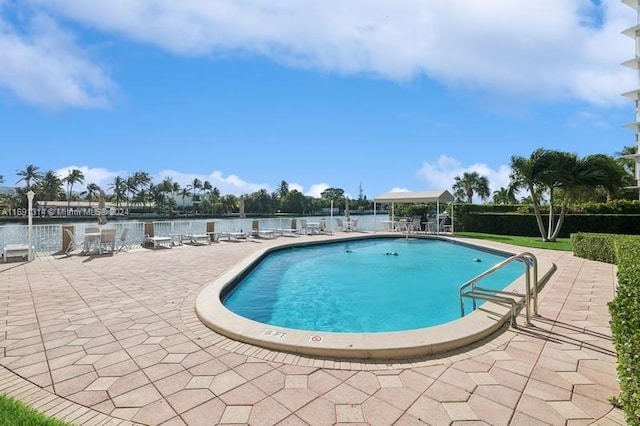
x,y
303,226
73,244
107,240
123,240
416,225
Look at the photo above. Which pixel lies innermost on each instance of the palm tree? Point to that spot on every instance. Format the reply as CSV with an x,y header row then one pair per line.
x,y
504,196
50,186
118,186
130,188
74,176
30,174
615,175
92,191
195,185
470,183
283,189
215,194
185,192
559,175
207,188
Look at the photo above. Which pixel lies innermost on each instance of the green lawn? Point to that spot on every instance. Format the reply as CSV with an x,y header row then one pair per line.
x,y
15,413
563,244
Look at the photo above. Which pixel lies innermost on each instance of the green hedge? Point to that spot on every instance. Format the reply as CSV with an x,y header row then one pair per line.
x,y
525,225
623,250
600,247
625,325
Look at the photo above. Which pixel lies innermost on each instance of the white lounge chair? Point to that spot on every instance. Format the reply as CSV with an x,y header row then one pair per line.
x,y
304,229
292,231
261,233
197,239
323,227
158,241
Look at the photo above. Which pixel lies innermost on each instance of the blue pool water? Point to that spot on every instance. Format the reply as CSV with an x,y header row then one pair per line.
x,y
363,285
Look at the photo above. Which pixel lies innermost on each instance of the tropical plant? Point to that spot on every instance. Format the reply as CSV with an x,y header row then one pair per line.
x,y
50,187
468,184
333,194
92,192
294,202
119,187
195,185
559,176
30,174
207,188
74,176
615,176
185,192
504,196
283,189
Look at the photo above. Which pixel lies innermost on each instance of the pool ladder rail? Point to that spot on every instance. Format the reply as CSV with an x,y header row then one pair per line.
x,y
471,290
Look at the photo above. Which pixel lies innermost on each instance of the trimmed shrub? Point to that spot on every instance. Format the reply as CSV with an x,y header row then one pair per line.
x,y
625,325
623,250
598,247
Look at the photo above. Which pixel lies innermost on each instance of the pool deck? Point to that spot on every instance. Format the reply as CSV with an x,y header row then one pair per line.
x,y
114,339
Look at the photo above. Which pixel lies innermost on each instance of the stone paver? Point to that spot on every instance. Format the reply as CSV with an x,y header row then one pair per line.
x,y
115,340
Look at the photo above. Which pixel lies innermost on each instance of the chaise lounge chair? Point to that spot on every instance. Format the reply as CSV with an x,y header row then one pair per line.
x,y
158,241
197,239
292,231
261,233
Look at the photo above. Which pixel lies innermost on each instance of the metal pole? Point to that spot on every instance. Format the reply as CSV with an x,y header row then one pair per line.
x,y
331,217
30,195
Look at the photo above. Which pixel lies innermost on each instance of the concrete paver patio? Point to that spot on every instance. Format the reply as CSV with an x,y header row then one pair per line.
x,y
115,340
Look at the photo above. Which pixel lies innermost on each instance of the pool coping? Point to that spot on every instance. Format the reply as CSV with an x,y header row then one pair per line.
x,y
464,331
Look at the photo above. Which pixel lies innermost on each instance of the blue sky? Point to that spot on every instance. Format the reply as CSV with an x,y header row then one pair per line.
x,y
317,93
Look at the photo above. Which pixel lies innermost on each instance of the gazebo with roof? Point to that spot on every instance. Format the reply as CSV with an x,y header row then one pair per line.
x,y
436,196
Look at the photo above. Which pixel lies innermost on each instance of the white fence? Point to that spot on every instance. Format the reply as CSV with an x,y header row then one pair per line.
x,y
48,237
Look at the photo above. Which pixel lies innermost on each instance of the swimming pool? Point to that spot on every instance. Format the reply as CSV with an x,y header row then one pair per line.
x,y
366,286
451,335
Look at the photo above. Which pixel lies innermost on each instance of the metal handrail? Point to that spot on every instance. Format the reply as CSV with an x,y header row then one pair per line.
x,y
529,261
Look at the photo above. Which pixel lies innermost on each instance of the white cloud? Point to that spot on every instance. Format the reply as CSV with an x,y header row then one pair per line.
x,y
45,67
589,118
317,189
99,176
544,49
396,189
296,187
442,173
231,184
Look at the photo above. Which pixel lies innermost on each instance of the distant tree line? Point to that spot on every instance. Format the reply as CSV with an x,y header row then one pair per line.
x,y
138,192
